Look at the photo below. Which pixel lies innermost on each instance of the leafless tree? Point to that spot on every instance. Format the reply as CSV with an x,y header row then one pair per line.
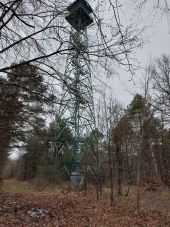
x,y
162,5
36,32
109,125
159,73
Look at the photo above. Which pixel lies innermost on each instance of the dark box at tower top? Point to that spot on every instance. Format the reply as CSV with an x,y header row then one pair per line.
x,y
80,3
79,16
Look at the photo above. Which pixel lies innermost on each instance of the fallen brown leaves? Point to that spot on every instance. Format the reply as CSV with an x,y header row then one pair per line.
x,y
71,210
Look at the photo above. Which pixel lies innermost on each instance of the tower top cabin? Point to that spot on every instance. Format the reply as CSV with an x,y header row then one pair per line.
x,y
79,16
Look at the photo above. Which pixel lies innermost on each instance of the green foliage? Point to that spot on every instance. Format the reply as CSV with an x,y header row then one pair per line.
x,y
36,157
7,113
36,153
50,172
60,131
55,172
122,130
24,96
94,136
137,105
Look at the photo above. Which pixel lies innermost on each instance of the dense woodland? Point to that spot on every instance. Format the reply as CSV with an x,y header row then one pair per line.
x,y
133,142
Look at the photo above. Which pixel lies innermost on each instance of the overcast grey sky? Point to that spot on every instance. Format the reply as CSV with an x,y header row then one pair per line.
x,y
157,37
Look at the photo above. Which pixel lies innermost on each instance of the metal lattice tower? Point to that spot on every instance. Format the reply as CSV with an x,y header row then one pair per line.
x,y
77,106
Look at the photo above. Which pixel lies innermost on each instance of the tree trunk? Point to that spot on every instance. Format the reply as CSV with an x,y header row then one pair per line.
x,y
155,164
140,153
85,177
128,170
110,155
3,157
165,166
119,169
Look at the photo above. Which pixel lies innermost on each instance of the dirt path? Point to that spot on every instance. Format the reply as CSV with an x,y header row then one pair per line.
x,y
70,210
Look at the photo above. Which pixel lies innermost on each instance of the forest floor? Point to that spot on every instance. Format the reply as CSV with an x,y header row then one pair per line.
x,y
21,205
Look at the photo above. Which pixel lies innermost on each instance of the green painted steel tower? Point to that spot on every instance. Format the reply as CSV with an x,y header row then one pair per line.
x,y
77,106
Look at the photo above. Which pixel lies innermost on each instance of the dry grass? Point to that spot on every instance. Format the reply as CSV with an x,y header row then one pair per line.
x,y
158,200
13,186
66,206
